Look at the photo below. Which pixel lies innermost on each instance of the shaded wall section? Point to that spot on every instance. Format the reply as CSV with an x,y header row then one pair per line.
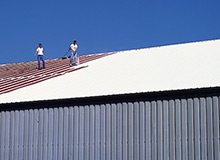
x,y
183,128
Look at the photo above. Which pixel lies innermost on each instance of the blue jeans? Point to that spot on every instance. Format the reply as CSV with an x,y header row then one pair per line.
x,y
73,55
40,58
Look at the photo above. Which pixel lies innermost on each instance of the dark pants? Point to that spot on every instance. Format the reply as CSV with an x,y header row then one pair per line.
x,y
40,58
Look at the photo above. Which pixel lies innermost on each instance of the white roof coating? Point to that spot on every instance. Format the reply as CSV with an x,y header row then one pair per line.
x,y
181,66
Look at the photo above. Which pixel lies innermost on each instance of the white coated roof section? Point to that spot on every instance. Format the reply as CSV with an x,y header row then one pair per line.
x,y
174,67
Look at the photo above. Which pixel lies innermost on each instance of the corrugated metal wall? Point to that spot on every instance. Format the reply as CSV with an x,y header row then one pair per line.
x,y
159,130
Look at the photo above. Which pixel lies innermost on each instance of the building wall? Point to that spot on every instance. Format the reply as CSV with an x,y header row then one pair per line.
x,y
158,130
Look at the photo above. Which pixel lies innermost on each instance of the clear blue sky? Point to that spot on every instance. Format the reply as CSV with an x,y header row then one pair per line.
x,y
102,26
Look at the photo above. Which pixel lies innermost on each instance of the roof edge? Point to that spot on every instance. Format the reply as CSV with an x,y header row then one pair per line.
x,y
113,99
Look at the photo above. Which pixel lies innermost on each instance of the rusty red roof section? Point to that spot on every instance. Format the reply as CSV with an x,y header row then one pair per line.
x,y
19,75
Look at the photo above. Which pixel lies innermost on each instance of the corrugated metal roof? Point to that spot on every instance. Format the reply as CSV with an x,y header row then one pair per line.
x,y
16,76
173,67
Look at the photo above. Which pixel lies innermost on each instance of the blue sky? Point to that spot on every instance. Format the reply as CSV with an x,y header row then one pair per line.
x,y
102,26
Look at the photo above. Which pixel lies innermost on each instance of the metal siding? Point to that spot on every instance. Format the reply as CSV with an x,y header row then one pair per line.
x,y
45,133
160,130
178,129
168,130
75,141
114,132
50,134
97,131
40,133
142,138
203,124
119,131
124,131
12,131
81,132
130,129
91,133
108,132
197,121
35,135
148,130
66,130
103,132
191,138
184,130
70,134
209,128
154,131
216,128
2,138
172,135
7,135
86,133
136,132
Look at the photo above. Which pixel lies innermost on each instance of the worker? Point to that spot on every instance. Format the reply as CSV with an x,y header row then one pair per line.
x,y
73,47
40,55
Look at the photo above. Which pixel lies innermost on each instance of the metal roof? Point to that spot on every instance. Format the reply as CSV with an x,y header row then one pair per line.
x,y
167,68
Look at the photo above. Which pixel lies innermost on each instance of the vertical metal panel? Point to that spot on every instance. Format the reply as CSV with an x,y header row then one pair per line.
x,y
97,131
154,131
148,130
166,130
30,134
114,132
159,130
172,140
12,132
125,131
56,133
130,128
119,133
75,132
108,132
2,138
209,128
21,136
178,129
174,129
71,133
142,138
65,132
190,129
103,131
92,132
81,132
50,134
216,128
184,129
45,133
86,133
197,127
26,131
60,133
35,135
203,124
40,133
136,131
7,135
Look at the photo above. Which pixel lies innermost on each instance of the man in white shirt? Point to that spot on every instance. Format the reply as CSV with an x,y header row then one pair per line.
x,y
40,55
74,48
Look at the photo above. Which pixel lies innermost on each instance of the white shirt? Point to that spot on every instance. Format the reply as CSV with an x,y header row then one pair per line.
x,y
73,47
40,51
